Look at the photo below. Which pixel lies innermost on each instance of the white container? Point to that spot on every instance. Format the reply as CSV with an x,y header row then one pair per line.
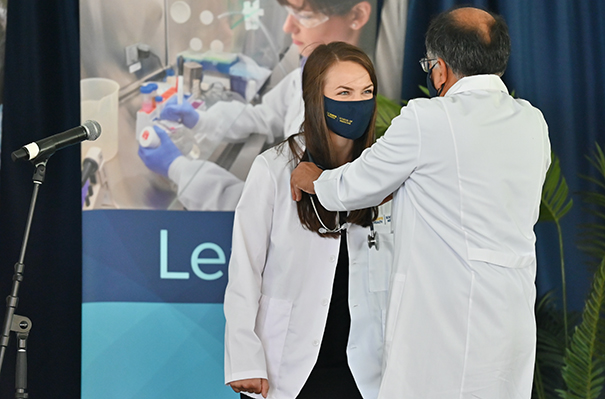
x,y
99,102
149,138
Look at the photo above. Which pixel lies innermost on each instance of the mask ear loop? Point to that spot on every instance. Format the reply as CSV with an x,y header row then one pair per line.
x,y
312,160
440,90
430,81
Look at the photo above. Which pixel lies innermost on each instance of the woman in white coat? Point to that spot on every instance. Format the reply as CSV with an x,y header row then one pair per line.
x,y
203,185
307,288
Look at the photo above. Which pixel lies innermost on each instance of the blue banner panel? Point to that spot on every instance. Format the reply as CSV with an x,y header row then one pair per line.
x,y
152,317
155,256
153,350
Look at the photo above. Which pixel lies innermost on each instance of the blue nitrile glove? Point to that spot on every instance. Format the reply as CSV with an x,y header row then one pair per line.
x,y
158,159
183,113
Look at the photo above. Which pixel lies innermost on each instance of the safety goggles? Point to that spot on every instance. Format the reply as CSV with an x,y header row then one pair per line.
x,y
308,19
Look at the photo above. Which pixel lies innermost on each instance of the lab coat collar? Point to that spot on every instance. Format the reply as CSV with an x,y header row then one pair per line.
x,y
303,61
477,82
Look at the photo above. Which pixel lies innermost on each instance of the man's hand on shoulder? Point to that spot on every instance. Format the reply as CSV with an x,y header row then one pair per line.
x,y
302,179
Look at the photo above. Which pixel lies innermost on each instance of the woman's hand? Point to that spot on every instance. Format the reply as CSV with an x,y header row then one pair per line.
x,y
253,385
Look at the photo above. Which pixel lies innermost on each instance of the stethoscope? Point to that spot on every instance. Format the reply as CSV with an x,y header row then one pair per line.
x,y
372,237
324,229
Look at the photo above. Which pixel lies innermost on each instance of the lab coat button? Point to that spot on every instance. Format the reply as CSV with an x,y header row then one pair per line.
x,y
315,342
325,302
332,258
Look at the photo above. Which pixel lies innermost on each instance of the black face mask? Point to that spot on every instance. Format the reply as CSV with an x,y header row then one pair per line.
x,y
433,92
349,119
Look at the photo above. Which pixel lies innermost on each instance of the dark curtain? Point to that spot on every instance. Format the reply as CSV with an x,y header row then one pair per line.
x,y
558,53
41,98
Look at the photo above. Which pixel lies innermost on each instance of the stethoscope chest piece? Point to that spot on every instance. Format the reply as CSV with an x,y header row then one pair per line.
x,y
372,238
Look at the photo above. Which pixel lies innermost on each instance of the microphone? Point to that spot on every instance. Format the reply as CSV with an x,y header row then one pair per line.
x,y
90,130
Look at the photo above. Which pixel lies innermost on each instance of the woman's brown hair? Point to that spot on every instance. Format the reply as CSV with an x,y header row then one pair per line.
x,y
316,134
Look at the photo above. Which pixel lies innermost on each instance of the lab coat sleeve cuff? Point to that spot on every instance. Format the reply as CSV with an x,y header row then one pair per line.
x,y
244,375
200,121
326,189
176,168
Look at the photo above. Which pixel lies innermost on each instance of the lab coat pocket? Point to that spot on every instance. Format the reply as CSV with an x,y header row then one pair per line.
x,y
500,258
393,308
380,263
272,328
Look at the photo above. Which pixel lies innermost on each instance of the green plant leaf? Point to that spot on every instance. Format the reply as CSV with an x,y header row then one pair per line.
x,y
553,206
555,202
550,348
424,90
386,110
592,236
584,369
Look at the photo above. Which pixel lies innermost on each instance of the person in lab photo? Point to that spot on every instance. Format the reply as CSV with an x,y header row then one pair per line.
x,y
203,185
307,288
467,168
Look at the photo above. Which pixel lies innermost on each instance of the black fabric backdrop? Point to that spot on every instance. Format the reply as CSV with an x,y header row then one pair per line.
x,y
558,56
42,97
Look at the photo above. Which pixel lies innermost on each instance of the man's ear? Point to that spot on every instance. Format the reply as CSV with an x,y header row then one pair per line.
x,y
360,15
440,73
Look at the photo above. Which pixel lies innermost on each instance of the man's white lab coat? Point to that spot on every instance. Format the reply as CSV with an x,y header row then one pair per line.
x,y
280,285
467,171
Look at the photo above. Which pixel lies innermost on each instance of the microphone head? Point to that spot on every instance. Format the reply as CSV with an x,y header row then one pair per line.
x,y
93,128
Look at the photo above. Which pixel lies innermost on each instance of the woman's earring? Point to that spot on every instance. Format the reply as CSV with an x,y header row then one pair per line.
x,y
354,25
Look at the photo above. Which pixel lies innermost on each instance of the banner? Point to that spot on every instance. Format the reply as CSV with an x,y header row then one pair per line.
x,y
153,284
159,188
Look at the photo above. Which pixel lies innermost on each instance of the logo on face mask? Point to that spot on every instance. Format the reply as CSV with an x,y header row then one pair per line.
x,y
339,118
348,119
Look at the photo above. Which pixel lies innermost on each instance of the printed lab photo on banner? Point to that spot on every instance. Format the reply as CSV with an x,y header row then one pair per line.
x,y
188,93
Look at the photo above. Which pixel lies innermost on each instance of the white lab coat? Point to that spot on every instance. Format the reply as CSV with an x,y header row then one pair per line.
x,y
279,115
203,185
280,284
467,170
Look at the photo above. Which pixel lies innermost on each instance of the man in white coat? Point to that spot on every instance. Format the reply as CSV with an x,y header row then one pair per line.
x,y
466,169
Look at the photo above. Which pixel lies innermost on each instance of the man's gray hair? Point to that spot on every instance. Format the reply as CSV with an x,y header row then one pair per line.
x,y
466,49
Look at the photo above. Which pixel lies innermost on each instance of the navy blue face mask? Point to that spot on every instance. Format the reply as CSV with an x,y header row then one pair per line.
x,y
349,119
433,92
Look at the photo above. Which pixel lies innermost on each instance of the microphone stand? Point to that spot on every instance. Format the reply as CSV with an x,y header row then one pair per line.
x,y
21,325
